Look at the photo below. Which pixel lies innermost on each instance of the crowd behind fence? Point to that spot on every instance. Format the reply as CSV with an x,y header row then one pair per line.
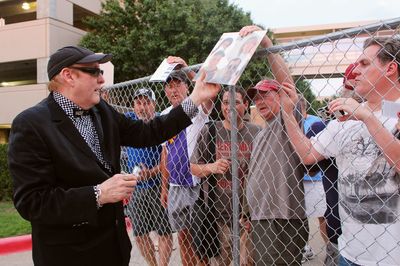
x,y
245,149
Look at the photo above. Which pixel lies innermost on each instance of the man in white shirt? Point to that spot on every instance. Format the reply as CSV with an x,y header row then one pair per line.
x,y
367,154
184,187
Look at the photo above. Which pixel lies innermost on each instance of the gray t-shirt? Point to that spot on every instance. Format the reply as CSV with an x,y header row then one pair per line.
x,y
200,155
275,184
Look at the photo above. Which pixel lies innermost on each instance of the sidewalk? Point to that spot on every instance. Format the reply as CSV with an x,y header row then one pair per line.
x,y
25,258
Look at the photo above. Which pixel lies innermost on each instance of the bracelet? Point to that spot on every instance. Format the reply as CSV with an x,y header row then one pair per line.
x,y
97,193
189,108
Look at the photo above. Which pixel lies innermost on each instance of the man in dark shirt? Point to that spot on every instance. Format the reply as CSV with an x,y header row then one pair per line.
x,y
64,158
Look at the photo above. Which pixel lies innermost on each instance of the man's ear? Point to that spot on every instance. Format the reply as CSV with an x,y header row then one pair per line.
x,y
66,75
393,69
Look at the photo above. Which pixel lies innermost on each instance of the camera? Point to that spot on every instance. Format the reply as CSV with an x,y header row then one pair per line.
x,y
325,114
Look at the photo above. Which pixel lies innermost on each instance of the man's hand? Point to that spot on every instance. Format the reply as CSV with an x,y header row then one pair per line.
x,y
164,197
265,42
182,64
203,91
221,166
352,109
245,223
117,188
146,173
288,97
176,60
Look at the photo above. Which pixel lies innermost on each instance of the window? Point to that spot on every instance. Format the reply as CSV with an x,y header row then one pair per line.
x,y
79,16
17,11
18,73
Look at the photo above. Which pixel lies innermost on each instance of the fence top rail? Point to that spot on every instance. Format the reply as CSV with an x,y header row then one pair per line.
x,y
389,24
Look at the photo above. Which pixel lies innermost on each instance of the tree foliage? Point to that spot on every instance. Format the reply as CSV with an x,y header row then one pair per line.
x,y
304,87
141,33
5,177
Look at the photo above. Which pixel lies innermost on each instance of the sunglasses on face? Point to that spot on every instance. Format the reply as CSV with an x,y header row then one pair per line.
x,y
93,71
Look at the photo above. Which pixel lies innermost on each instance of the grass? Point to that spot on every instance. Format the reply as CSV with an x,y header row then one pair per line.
x,y
12,224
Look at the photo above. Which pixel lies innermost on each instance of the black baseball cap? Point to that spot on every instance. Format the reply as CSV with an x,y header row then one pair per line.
x,y
70,55
178,75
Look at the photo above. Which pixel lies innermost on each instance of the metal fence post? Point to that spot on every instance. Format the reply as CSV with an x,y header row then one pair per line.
x,y
235,177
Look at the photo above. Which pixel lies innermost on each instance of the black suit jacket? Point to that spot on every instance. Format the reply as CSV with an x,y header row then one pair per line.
x,y
54,171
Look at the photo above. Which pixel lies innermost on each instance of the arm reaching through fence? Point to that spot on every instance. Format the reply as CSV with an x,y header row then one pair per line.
x,y
278,66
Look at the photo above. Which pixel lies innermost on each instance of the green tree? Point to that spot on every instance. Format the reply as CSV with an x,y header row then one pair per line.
x,y
5,177
304,88
141,33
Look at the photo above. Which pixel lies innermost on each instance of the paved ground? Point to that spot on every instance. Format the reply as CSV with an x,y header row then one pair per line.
x,y
316,242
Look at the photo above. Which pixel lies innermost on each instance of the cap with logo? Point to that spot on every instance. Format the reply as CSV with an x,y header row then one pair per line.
x,y
349,75
145,92
263,85
69,55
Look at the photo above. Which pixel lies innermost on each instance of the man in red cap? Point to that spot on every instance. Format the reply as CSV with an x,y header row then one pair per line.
x,y
275,192
349,80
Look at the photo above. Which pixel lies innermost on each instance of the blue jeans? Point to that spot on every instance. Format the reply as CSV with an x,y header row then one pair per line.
x,y
345,262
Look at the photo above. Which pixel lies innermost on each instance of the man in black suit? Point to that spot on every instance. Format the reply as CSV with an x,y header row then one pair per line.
x,y
64,160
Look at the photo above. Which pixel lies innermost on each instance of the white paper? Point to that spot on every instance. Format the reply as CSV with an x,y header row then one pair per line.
x,y
230,56
390,109
163,71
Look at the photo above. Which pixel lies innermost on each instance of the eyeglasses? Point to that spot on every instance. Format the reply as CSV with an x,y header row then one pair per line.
x,y
93,71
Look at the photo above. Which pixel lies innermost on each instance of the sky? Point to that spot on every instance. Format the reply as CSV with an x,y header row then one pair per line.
x,y
291,13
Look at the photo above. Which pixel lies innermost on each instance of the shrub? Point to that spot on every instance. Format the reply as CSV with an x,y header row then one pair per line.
x,y
5,177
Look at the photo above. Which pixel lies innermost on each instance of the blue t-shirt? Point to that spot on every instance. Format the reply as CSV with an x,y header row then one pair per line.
x,y
149,156
311,119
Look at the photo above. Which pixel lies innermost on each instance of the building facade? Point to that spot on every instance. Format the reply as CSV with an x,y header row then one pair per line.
x,y
30,31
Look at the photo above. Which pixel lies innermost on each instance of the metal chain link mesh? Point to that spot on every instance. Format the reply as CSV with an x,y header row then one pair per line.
x,y
267,185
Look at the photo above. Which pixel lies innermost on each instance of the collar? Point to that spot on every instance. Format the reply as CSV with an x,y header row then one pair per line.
x,y
70,108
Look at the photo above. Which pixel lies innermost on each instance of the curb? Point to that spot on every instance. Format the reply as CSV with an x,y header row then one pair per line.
x,y
23,243
15,244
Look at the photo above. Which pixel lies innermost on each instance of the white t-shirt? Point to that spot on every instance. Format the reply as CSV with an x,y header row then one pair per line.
x,y
368,192
192,133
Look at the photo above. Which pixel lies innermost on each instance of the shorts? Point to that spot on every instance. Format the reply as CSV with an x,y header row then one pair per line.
x,y
146,212
315,200
279,241
180,206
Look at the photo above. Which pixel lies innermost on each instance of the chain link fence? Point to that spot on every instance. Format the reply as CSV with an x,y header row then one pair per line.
x,y
269,208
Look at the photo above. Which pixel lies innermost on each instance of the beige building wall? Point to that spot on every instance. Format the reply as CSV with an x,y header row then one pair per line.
x,y
323,64
37,39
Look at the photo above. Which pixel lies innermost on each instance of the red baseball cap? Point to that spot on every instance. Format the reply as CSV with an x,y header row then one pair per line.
x,y
263,85
349,75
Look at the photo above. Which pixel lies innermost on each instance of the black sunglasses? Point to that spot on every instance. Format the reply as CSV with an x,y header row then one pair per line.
x,y
93,71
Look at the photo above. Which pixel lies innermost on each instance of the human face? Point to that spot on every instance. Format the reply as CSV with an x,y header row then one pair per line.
x,y
267,103
214,60
240,106
248,46
144,107
233,65
176,91
350,82
85,87
370,74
